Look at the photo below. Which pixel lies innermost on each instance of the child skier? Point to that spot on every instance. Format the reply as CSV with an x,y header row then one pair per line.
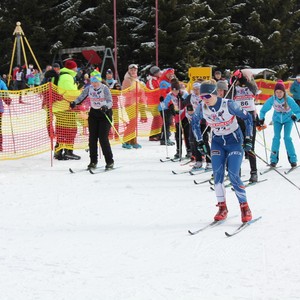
x,y
100,118
286,111
226,145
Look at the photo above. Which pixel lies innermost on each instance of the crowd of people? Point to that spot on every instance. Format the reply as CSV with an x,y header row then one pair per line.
x,y
216,121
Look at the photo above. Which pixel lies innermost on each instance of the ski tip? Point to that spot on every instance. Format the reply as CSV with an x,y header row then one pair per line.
x,y
91,171
71,171
173,172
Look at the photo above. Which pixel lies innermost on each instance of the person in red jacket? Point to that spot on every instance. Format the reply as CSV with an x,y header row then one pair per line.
x,y
165,88
153,81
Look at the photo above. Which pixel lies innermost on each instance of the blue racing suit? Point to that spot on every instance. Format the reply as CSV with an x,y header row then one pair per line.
x,y
226,144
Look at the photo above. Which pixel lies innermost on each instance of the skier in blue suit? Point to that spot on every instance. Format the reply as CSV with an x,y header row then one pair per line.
x,y
226,145
286,111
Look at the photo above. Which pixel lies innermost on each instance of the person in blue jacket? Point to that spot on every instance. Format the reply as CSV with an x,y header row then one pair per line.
x,y
226,144
286,111
5,97
295,89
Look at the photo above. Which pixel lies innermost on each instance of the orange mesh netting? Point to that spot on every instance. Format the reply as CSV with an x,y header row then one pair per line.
x,y
38,119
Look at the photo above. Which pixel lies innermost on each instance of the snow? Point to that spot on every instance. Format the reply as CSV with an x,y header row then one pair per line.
x,y
123,234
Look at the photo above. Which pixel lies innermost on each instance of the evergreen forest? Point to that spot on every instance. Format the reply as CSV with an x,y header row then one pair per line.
x,y
224,34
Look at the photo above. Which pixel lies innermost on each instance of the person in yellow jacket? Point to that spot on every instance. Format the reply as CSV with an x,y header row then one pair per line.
x,y
65,126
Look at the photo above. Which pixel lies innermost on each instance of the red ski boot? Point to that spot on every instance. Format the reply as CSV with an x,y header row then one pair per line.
x,y
222,213
246,212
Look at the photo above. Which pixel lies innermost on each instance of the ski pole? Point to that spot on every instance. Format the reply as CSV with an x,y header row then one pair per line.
x,y
12,130
165,130
264,139
297,129
291,182
114,128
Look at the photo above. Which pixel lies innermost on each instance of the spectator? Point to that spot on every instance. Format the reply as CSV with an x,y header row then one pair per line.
x,y
131,80
5,97
167,117
109,79
295,89
153,81
66,126
217,75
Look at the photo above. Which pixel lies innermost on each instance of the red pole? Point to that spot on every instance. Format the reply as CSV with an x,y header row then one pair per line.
x,y
156,30
115,40
49,105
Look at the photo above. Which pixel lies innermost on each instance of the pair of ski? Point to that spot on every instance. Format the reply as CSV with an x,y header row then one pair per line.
x,y
228,234
97,170
177,160
285,172
192,172
248,183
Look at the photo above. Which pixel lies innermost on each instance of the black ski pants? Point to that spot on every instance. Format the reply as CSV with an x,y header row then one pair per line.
x,y
99,127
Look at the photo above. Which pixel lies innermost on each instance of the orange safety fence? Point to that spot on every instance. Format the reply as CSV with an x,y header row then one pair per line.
x,y
39,119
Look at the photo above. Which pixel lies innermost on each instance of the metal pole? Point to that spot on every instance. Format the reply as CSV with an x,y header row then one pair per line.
x,y
115,41
156,31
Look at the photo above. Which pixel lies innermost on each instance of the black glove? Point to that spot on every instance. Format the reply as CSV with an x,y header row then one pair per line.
x,y
161,99
104,109
189,108
294,118
172,109
247,144
72,104
201,147
261,122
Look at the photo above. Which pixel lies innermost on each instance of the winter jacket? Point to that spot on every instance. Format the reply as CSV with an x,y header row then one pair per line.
x,y
295,90
281,114
3,87
67,87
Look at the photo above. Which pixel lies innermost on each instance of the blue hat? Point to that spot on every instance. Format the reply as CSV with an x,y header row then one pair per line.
x,y
208,88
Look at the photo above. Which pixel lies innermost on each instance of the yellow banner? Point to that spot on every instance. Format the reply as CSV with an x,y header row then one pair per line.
x,y
196,73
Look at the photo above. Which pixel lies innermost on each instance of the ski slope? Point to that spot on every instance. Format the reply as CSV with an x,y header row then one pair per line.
x,y
124,234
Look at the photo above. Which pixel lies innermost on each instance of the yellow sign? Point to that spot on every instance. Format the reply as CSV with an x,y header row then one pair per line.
x,y
196,73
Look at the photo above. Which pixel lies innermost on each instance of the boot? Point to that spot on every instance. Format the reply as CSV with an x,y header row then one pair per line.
x,y
59,155
110,165
222,213
188,154
92,165
253,176
70,155
246,212
197,166
177,154
293,164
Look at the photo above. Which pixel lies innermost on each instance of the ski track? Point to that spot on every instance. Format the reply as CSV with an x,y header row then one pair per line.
x,y
123,234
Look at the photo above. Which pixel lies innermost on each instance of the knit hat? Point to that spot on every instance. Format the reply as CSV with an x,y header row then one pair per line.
x,y
109,71
169,71
132,66
208,88
96,76
279,86
196,85
55,65
154,70
70,64
175,86
222,85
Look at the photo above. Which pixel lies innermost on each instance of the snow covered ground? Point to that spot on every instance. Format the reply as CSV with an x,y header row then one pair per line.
x,y
123,234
